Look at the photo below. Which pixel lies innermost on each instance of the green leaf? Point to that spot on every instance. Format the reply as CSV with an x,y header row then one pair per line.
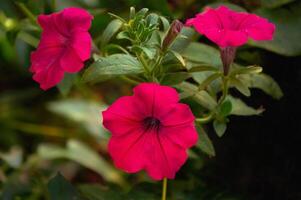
x,y
114,65
179,57
240,86
165,23
148,51
204,142
202,53
183,40
274,3
265,83
66,84
113,27
246,70
226,108
288,25
175,78
201,97
219,127
202,68
98,192
240,108
60,189
83,112
83,155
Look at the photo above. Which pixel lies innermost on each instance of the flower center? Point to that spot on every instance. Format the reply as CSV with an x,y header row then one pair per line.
x,y
151,123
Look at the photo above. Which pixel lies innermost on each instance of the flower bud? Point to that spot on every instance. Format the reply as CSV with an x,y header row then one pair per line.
x,y
173,32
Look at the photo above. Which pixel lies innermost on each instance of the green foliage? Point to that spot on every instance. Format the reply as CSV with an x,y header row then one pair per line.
x,y
142,47
60,189
79,152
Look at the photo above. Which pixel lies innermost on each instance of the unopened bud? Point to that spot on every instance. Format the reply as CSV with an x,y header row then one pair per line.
x,y
173,32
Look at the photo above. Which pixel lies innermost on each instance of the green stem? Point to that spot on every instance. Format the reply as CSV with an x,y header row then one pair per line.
x,y
129,80
53,5
164,189
29,39
27,12
225,90
205,119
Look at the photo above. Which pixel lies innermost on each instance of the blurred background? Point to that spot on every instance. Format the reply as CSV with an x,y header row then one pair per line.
x,y
45,132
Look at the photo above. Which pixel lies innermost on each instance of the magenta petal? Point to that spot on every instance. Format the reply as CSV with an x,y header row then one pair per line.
x,y
127,151
181,114
258,28
226,27
49,77
125,107
233,38
183,135
164,157
70,62
76,19
82,44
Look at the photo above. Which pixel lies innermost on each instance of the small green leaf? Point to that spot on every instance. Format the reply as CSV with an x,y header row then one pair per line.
x,y
240,108
219,127
179,57
60,189
114,65
246,70
165,23
204,142
240,86
202,97
113,27
226,108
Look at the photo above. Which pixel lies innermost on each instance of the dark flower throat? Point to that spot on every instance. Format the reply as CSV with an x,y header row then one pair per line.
x,y
151,123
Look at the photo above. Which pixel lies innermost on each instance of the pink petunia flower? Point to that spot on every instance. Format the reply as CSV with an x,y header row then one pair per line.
x,y
65,45
227,28
150,131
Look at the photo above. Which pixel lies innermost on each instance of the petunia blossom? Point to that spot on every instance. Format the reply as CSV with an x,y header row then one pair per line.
x,y
64,46
151,131
228,28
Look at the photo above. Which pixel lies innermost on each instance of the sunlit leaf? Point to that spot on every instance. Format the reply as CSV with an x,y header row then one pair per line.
x,y
84,155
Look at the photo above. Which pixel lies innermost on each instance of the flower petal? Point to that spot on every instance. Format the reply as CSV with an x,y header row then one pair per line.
x,y
164,157
82,42
258,28
70,61
125,107
50,76
76,19
183,135
176,114
127,150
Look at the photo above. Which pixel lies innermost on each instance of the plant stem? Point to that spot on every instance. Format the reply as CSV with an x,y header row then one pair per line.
x,y
164,189
53,5
225,90
27,12
205,119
